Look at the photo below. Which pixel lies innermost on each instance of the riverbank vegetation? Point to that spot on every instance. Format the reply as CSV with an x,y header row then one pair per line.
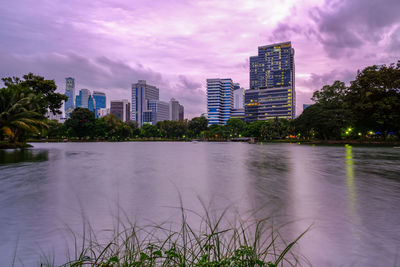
x,y
368,110
211,240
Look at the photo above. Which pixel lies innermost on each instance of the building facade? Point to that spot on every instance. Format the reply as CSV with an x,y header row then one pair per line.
x,y
100,101
219,100
272,84
159,111
69,105
141,94
181,112
176,110
238,96
91,104
121,108
82,100
237,113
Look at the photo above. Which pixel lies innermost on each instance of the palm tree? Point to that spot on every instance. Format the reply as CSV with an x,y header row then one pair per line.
x,y
19,114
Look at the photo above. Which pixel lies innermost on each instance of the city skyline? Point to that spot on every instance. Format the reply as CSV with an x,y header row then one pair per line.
x,y
177,45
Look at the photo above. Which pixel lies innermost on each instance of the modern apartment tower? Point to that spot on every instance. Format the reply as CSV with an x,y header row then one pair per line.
x,y
141,94
121,108
219,100
69,105
272,84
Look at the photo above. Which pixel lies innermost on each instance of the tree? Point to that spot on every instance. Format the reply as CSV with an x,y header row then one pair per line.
x,y
45,89
81,123
196,126
19,114
235,127
149,130
55,130
374,98
135,128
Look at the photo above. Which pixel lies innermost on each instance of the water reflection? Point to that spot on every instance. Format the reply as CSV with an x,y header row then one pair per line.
x,y
351,194
22,155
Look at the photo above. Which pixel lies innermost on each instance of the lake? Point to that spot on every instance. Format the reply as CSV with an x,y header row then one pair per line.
x,y
349,195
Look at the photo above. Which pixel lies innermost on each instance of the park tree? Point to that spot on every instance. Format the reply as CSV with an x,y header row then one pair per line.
x,y
20,113
196,126
49,100
374,98
235,127
81,123
148,130
134,126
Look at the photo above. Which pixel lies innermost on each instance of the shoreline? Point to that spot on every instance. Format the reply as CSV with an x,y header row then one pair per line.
x,y
302,142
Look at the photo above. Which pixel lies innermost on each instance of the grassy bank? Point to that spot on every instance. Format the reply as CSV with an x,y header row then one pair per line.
x,y
210,241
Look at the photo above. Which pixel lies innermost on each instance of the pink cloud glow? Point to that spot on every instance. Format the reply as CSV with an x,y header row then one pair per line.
x,y
176,45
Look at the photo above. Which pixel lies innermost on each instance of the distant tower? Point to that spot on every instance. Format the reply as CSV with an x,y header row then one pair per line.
x,y
69,105
100,100
141,94
219,100
121,108
272,84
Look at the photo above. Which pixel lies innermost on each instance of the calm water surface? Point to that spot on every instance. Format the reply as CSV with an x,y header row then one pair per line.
x,y
351,195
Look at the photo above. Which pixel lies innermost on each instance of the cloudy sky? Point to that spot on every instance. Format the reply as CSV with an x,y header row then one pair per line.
x,y
176,44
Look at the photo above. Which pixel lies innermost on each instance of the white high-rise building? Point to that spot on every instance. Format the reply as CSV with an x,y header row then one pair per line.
x,y
141,94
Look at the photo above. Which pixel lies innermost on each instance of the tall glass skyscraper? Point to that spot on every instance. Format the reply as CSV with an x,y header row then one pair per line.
x,y
69,105
100,101
82,100
272,84
219,100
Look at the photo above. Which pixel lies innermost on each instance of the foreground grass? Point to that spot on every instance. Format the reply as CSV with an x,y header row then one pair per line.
x,y
212,241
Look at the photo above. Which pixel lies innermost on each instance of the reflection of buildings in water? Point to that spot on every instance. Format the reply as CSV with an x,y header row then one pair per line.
x,y
268,168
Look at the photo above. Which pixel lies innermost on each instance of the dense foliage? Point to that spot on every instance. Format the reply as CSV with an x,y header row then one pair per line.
x,y
368,108
23,105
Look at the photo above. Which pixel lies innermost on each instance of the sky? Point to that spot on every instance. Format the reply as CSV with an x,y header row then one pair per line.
x,y
107,45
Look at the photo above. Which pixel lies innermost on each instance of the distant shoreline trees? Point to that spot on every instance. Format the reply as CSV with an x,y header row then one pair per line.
x,y
369,108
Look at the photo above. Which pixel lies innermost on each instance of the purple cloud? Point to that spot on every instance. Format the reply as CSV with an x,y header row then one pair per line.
x,y
176,45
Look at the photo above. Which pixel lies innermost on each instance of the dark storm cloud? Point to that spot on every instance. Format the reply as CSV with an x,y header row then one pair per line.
x,y
346,25
98,73
103,74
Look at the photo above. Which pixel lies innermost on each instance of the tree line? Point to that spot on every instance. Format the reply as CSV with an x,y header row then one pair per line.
x,y
367,108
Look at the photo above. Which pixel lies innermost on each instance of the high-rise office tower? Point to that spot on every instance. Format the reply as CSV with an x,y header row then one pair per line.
x,y
82,100
100,100
69,105
272,84
121,108
141,93
175,110
159,109
219,100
